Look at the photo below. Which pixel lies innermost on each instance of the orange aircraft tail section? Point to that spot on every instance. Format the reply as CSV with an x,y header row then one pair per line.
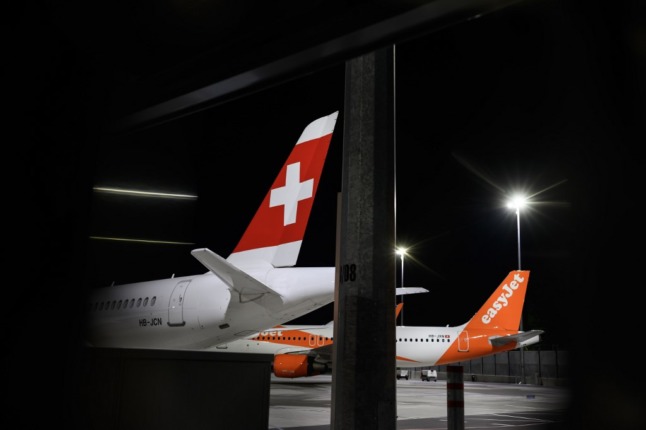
x,y
503,309
398,309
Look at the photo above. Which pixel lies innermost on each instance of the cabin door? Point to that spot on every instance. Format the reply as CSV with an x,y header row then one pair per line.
x,y
176,304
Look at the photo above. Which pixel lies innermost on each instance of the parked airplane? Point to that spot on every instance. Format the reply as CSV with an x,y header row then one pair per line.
x,y
307,350
255,287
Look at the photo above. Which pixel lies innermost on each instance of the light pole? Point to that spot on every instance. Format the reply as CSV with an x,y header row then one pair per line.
x,y
517,203
402,253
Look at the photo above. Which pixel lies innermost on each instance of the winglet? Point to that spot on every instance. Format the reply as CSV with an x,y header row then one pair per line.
x,y
276,231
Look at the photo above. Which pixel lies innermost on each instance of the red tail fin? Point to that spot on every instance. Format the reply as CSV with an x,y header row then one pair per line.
x,y
277,230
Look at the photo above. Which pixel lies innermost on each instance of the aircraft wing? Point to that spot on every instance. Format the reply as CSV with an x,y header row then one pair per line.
x,y
519,338
321,354
235,278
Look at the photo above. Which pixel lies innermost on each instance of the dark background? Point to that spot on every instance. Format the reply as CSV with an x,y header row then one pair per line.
x,y
544,96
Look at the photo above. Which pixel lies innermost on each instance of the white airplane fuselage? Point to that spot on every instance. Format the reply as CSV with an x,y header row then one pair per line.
x,y
200,311
415,346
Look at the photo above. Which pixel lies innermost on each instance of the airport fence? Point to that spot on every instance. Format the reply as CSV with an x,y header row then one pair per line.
x,y
540,368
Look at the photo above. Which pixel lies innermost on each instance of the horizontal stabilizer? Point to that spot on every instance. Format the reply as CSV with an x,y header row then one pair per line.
x,y
410,290
518,338
235,278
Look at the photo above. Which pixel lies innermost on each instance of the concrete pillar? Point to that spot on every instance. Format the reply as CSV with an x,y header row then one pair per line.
x,y
363,378
455,397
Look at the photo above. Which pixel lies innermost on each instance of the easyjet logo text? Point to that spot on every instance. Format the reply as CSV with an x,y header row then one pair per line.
x,y
274,333
502,300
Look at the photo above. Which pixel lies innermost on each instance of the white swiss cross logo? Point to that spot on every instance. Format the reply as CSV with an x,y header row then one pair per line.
x,y
293,192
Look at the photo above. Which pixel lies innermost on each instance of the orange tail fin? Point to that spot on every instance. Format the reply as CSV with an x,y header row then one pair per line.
x,y
398,309
504,307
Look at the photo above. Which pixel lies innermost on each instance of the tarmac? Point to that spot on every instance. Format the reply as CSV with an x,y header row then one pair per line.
x,y
305,404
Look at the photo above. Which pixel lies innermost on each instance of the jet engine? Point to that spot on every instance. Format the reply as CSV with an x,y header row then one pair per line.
x,y
297,365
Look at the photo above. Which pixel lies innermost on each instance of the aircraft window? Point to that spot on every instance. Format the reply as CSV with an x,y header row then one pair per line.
x,y
139,302
114,303
132,302
152,302
119,304
146,301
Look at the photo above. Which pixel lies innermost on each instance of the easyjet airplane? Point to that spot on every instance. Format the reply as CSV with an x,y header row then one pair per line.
x,y
255,287
307,350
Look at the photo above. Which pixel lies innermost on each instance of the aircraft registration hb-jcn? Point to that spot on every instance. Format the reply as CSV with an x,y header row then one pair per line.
x,y
253,289
307,350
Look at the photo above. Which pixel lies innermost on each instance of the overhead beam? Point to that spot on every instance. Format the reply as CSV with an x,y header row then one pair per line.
x,y
415,23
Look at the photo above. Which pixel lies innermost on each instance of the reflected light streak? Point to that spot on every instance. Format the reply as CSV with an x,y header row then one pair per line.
x,y
159,242
137,193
